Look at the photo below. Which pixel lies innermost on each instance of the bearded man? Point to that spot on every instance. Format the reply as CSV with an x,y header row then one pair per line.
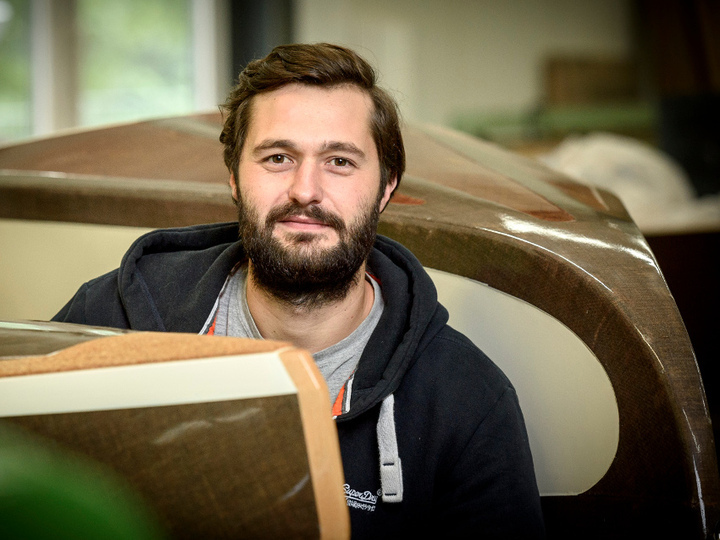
x,y
431,434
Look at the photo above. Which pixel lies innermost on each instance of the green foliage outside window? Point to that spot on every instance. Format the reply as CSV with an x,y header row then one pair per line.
x,y
135,59
15,90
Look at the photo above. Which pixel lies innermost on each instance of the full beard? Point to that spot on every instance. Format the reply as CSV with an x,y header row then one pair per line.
x,y
300,273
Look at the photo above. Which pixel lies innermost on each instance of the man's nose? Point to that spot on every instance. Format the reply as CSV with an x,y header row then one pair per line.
x,y
306,186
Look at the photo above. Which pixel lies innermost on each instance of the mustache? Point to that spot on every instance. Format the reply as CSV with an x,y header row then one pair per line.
x,y
293,209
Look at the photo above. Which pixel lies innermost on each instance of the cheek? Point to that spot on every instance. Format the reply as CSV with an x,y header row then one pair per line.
x,y
262,189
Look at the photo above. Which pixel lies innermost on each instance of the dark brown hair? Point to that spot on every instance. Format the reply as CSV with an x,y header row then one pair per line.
x,y
320,64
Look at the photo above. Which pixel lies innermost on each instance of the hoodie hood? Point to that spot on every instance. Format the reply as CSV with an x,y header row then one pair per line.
x,y
170,279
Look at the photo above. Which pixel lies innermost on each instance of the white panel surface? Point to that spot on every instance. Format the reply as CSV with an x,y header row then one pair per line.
x,y
43,263
565,394
146,385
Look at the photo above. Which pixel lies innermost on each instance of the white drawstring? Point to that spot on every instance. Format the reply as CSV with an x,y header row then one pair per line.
x,y
390,465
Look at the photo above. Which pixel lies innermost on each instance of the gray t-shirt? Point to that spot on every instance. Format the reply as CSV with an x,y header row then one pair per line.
x,y
336,363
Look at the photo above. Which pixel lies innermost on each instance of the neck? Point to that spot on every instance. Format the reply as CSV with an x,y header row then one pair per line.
x,y
314,328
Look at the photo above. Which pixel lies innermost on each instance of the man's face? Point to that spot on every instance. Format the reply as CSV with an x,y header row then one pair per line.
x,y
308,191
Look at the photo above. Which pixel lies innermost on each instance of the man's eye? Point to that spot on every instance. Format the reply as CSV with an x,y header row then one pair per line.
x,y
340,162
277,159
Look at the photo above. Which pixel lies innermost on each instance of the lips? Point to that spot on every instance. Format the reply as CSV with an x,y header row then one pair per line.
x,y
303,220
300,225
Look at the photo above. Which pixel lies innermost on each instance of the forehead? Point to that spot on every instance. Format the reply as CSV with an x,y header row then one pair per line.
x,y
312,115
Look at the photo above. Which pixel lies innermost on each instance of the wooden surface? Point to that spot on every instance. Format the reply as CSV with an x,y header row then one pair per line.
x,y
323,451
261,467
473,209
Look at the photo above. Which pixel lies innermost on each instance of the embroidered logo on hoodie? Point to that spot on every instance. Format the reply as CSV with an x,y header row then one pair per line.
x,y
362,501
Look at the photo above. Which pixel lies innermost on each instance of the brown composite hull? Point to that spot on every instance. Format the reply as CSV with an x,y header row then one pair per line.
x,y
472,209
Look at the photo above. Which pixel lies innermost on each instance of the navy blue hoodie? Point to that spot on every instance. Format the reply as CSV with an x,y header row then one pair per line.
x,y
433,440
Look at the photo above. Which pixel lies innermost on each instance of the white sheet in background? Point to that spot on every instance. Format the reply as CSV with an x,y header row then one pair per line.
x,y
655,190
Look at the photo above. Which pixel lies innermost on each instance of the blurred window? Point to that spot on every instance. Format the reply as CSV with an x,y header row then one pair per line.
x,y
134,59
88,62
15,90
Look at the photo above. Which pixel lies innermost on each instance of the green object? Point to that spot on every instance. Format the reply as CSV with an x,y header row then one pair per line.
x,y
47,492
559,121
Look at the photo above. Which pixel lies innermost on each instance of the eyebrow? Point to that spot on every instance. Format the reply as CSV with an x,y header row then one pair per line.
x,y
330,146
269,144
347,147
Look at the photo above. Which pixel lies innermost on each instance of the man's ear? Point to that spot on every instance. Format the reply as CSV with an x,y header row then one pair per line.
x,y
233,186
388,193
